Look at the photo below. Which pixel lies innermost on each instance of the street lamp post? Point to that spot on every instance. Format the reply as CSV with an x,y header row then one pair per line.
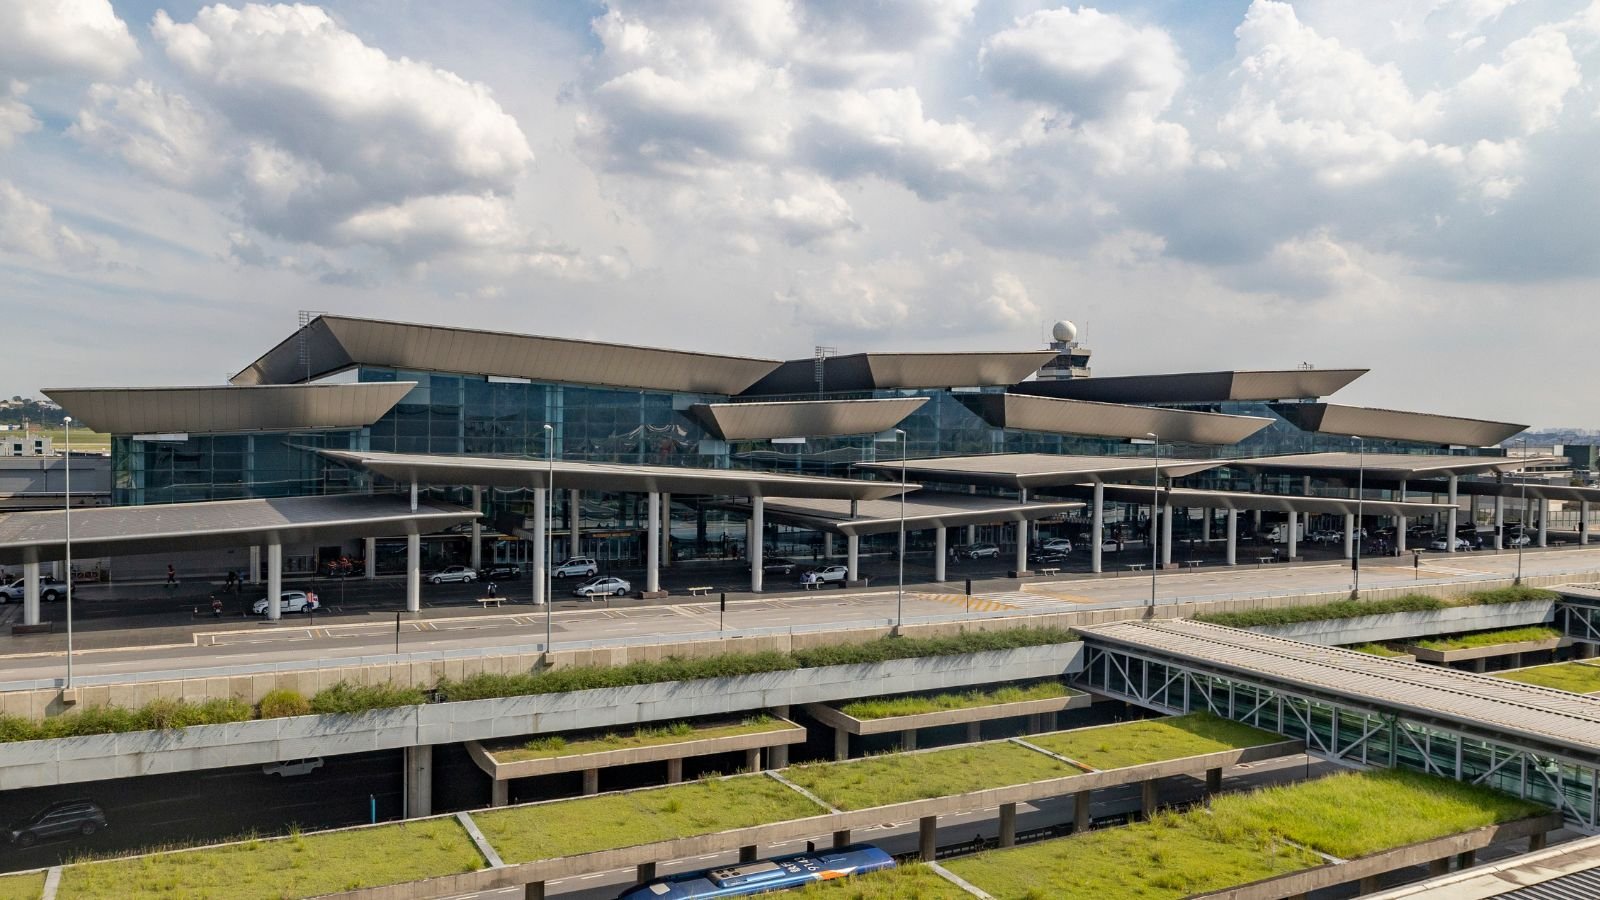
x,y
1361,480
549,520
1155,505
900,586
68,510
1522,527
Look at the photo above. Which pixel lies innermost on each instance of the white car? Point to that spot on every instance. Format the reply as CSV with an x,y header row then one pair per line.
x,y
1057,545
981,551
602,586
1443,544
291,767
50,590
579,566
824,575
1326,537
293,602
452,573
1518,540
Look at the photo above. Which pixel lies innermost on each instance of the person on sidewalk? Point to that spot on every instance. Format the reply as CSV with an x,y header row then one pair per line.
x,y
172,575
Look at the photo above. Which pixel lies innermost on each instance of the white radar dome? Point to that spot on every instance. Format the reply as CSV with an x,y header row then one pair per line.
x,y
1065,332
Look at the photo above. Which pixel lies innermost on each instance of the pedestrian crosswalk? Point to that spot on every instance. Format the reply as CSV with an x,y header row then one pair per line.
x,y
962,601
996,601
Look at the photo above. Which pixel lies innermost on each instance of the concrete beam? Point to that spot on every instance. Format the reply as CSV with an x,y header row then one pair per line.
x,y
832,716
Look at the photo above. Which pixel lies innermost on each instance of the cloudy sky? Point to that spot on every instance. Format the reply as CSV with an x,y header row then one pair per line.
x,y
1409,185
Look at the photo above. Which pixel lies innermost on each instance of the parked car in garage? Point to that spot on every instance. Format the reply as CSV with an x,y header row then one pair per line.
x,y
1444,544
452,573
778,566
67,817
602,586
293,602
1057,545
291,767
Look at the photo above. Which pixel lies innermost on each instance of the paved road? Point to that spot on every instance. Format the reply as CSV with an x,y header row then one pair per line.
x,y
25,660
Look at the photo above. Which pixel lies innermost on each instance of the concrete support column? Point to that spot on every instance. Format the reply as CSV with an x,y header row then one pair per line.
x,y
974,732
1214,780
419,781
827,545
666,530
908,739
30,591
1349,535
1400,521
591,781
758,513
574,523
1233,537
1437,867
778,756
1499,522
1583,521
255,564
1536,842
752,759
1022,537
652,554
477,529
533,890
1097,524
1294,534
841,744
749,852
1450,516
941,552
1466,860
500,792
275,580
645,872
369,555
541,532
928,838
1166,535
413,573
1080,812
841,839
852,558
1205,525
1149,796
1008,824
675,770
1367,885
1544,522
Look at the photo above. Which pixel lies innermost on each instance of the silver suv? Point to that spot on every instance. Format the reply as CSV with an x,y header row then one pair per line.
x,y
578,566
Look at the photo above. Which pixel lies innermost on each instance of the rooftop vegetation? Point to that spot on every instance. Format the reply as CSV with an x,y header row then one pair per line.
x,y
1152,740
1377,650
28,886
1489,638
554,746
902,777
1354,609
1577,677
295,866
1242,838
890,707
609,821
908,881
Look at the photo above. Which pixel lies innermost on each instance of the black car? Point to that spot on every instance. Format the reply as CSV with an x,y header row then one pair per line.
x,y
58,820
500,572
778,566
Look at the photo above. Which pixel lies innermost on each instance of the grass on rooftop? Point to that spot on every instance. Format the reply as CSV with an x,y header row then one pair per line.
x,y
889,707
1352,609
22,887
1152,740
1489,638
555,746
903,777
586,824
1577,677
1377,650
908,881
295,866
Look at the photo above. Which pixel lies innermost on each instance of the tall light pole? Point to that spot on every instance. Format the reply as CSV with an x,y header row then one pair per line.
x,y
549,521
900,586
1522,525
1155,505
68,510
1361,483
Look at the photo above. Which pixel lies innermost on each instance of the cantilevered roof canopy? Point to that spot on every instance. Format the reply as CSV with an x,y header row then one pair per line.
x,y
334,343
1117,420
804,418
1199,387
902,371
535,473
1015,471
1190,498
1534,490
220,409
127,530
922,510
1386,465
1331,418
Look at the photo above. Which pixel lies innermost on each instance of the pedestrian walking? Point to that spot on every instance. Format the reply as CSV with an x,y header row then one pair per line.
x,y
172,575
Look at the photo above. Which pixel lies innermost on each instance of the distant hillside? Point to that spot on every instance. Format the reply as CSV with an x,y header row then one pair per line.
x,y
39,412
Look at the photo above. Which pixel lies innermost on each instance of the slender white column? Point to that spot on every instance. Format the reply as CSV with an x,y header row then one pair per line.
x,y
1097,524
369,554
940,551
652,561
477,529
1499,522
1233,537
413,495
827,545
413,573
1349,535
1022,536
1400,521
1166,535
1450,517
1544,521
255,564
274,580
1583,521
1294,534
540,531
666,530
758,511
574,523
1205,525
30,590
852,557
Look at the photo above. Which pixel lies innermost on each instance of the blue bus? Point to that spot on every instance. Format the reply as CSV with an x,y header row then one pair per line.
x,y
776,874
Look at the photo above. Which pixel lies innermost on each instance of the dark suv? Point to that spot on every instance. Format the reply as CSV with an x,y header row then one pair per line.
x,y
58,820
500,572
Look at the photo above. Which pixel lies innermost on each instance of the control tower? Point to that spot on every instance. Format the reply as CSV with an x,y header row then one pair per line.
x,y
1072,358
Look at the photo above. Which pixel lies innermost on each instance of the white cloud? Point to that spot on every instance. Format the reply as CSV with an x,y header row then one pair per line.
x,y
28,228
1521,95
1085,63
16,119
884,132
951,293
47,38
159,133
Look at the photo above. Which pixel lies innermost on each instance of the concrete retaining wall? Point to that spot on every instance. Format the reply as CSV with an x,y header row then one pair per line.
x,y
1469,653
98,757
782,732
836,718
1399,626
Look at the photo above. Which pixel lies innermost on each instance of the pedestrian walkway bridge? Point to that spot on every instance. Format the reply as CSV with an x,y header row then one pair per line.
x,y
1534,742
1578,613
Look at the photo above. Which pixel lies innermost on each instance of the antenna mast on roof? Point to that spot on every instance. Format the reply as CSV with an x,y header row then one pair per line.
x,y
819,354
306,317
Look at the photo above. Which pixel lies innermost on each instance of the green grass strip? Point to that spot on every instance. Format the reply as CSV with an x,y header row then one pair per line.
x,y
908,881
1377,650
889,707
557,746
903,777
1577,677
295,866
1242,838
22,887
1489,638
1152,740
1355,609
583,825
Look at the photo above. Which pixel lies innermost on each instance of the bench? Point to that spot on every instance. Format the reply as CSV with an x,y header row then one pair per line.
x,y
487,602
1263,560
1136,567
1192,563
1050,570
700,590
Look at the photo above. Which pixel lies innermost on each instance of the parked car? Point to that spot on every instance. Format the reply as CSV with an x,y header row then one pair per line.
x,y
1049,557
452,573
50,590
291,767
578,566
602,586
981,551
293,602
57,820
824,575
779,566
1444,544
1057,545
500,572
1518,540
1326,536
344,567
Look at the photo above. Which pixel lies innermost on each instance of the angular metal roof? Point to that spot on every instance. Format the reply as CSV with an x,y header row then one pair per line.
x,y
922,510
221,409
1567,871
902,371
803,418
1332,418
1199,387
126,530
1040,470
533,473
335,343
1535,717
1386,465
1116,420
1190,498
